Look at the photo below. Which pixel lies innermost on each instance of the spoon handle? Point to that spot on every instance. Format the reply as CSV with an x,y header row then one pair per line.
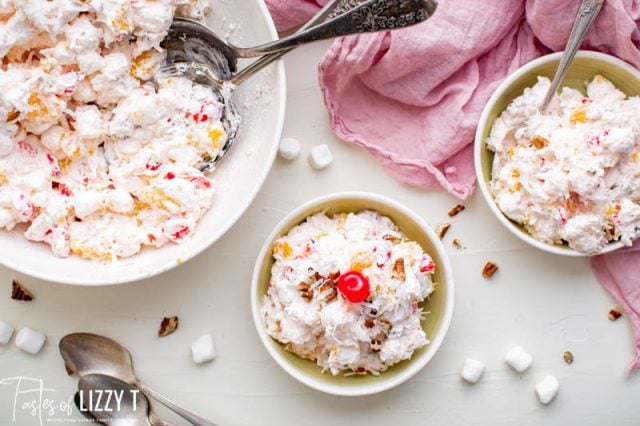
x,y
587,14
192,418
256,66
368,17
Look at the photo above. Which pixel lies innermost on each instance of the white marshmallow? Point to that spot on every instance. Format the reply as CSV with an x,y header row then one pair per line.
x,y
320,157
472,370
519,359
547,389
6,331
30,341
289,148
203,349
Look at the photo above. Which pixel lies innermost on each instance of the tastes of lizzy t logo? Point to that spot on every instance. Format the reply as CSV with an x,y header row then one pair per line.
x,y
31,401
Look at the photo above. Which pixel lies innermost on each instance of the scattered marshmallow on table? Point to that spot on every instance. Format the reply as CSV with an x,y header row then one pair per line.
x,y
289,148
203,349
29,340
320,157
6,331
472,370
518,359
547,389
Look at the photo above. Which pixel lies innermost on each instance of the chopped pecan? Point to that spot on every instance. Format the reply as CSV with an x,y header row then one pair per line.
x,y
20,293
457,244
610,231
369,323
489,270
386,324
568,357
456,210
614,314
398,270
392,239
442,229
12,115
376,345
305,291
334,275
168,326
329,289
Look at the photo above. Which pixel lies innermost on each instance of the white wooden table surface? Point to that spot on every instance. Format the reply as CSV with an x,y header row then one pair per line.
x,y
547,304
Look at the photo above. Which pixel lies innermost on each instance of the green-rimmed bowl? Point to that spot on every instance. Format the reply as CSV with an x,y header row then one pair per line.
x,y
583,69
439,304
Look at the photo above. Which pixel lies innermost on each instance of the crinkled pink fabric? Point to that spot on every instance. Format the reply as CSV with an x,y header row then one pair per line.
x,y
413,97
619,272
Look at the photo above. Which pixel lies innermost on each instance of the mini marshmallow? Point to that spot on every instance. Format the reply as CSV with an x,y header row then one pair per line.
x,y
547,389
6,331
472,370
289,148
203,349
518,359
320,157
30,341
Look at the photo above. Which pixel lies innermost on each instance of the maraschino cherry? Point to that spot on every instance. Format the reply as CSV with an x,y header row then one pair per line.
x,y
354,285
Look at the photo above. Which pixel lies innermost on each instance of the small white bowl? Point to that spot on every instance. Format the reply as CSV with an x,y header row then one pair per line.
x,y
439,304
586,66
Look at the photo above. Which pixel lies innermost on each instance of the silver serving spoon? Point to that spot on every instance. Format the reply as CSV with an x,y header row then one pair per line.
x,y
587,14
194,51
86,353
191,41
111,401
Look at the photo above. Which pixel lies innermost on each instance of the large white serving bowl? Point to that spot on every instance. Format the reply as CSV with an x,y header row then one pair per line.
x,y
439,305
583,69
261,102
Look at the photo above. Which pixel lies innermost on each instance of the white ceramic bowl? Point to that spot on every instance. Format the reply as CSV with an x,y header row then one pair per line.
x,y
586,66
439,304
261,102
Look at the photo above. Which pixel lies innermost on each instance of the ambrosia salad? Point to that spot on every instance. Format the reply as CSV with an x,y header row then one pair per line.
x,y
95,159
571,174
345,292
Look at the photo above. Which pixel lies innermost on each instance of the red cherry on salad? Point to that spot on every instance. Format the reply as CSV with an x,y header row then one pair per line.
x,y
354,286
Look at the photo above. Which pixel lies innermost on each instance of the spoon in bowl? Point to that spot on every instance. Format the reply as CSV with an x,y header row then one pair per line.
x,y
191,41
86,353
587,14
195,52
126,405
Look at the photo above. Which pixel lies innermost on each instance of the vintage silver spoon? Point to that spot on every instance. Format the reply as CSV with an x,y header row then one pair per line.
x,y
191,41
123,405
194,51
86,353
587,14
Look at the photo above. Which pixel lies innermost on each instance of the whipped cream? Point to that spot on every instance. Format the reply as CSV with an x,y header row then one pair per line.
x,y
95,160
305,311
570,175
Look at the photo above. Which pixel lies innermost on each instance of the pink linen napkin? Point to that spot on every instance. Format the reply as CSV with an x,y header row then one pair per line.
x,y
413,97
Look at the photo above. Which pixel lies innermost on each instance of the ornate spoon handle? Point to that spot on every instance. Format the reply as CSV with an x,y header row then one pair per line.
x,y
587,14
367,17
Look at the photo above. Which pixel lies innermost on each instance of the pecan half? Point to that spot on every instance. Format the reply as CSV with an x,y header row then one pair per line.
x,y
614,314
168,326
456,210
20,293
489,270
398,270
